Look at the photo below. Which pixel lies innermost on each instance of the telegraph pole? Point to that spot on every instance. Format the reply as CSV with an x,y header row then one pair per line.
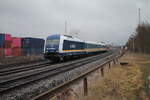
x,y
133,45
139,16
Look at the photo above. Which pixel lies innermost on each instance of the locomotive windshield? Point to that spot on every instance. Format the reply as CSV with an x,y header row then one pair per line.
x,y
52,42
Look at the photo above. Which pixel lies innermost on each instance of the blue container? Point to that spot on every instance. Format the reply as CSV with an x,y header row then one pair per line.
x,y
26,52
33,43
32,46
31,51
2,40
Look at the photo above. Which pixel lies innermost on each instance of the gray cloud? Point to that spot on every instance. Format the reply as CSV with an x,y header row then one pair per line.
x,y
95,20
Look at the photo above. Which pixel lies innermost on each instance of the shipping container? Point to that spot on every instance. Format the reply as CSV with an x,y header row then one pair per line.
x,y
8,44
16,42
26,51
7,41
2,39
32,51
16,51
32,46
8,37
8,52
33,43
1,52
37,51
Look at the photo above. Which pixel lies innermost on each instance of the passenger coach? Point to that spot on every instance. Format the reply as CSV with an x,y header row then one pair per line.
x,y
60,47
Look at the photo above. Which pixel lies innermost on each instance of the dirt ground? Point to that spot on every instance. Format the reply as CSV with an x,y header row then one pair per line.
x,y
121,82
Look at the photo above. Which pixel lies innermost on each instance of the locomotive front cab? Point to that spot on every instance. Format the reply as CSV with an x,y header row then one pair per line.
x,y
52,47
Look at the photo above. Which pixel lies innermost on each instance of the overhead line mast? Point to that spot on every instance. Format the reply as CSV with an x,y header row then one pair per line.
x,y
65,26
139,16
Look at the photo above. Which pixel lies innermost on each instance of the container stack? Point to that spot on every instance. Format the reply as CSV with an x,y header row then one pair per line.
x,y
2,41
16,46
32,46
7,46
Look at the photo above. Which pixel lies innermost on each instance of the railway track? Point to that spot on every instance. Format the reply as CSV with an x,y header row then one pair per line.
x,y
23,68
25,79
7,66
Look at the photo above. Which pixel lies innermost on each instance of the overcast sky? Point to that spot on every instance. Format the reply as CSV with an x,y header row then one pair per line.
x,y
111,21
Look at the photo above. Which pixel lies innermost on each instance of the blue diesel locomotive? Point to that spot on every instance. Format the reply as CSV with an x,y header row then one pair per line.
x,y
60,47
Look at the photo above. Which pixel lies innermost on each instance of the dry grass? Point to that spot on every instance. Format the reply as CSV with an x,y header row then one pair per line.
x,y
119,83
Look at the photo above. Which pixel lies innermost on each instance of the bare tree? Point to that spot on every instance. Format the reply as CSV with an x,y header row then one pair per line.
x,y
140,42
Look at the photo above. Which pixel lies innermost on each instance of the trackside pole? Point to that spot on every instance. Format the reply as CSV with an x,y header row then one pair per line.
x,y
102,71
114,62
85,85
109,64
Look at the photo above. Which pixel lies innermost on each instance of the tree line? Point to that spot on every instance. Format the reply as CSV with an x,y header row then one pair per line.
x,y
140,41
